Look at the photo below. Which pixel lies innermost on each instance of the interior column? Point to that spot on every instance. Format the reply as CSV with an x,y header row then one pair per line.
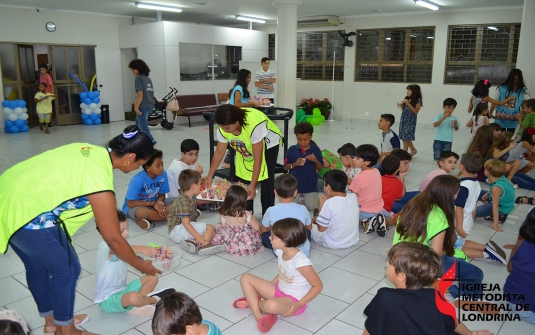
x,y
526,47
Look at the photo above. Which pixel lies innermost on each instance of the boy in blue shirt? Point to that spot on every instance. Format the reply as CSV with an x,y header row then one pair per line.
x,y
286,190
302,161
389,139
444,124
145,199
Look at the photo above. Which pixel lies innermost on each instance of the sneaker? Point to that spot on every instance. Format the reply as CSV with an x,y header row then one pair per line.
x,y
209,249
369,224
189,246
154,143
203,207
380,220
198,213
315,212
147,310
492,248
162,293
489,256
144,224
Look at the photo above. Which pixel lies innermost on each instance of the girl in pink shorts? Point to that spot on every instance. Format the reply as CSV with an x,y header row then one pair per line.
x,y
292,289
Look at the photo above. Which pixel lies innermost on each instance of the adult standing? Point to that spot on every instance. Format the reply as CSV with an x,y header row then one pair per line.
x,y
513,87
55,206
256,140
144,104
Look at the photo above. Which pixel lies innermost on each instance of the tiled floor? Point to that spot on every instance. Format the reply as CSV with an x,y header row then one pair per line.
x,y
350,277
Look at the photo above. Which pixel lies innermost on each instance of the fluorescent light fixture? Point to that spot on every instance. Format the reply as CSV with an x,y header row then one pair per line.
x,y
413,35
427,4
493,28
388,38
430,37
158,7
250,19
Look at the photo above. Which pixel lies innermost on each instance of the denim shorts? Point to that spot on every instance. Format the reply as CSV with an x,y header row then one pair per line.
x,y
459,242
526,316
366,215
113,304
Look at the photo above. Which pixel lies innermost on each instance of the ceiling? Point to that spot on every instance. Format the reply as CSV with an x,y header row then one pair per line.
x,y
222,12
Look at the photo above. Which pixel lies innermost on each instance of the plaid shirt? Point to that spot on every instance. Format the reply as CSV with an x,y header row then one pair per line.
x,y
182,208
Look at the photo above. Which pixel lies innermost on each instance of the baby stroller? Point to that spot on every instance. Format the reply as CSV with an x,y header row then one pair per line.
x,y
159,114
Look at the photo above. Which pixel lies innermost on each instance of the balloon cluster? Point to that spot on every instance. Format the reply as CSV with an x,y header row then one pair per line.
x,y
90,107
314,119
16,116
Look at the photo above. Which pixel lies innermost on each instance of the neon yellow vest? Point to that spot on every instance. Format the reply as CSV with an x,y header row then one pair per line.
x,y
43,182
243,146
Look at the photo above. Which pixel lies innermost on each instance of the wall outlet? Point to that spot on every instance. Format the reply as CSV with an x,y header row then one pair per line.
x,y
366,113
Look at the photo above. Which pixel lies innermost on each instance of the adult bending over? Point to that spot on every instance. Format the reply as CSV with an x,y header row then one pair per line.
x,y
256,140
56,204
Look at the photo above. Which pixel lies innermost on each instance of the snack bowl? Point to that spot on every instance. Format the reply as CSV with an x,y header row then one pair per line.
x,y
165,265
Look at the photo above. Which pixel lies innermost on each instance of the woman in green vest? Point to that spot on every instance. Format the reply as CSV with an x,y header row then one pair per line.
x,y
256,140
57,202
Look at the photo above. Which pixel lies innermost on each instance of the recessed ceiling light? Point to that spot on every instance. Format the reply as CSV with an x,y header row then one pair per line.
x,y
430,37
493,28
413,35
427,4
158,7
388,38
250,19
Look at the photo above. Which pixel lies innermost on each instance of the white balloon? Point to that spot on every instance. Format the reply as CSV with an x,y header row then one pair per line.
x,y
25,110
8,111
97,111
18,110
23,116
93,106
87,111
98,105
83,106
13,117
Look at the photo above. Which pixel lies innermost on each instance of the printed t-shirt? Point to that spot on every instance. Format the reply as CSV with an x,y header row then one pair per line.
x,y
144,188
292,282
144,84
367,186
306,175
45,106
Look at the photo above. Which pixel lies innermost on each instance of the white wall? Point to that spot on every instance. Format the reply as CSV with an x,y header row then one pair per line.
x,y
37,50
127,55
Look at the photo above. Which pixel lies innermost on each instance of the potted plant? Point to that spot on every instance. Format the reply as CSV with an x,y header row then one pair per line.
x,y
308,106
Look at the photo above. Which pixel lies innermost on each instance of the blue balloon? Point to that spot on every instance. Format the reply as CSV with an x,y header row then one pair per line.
x,y
12,104
25,121
88,121
93,116
96,93
25,129
84,116
96,100
20,123
87,101
21,103
8,123
99,116
6,130
5,103
14,129
97,121
83,95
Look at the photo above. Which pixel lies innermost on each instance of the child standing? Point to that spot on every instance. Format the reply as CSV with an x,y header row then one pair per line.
x,y
367,186
112,294
189,150
447,162
393,188
410,107
264,80
389,140
411,267
238,229
286,191
178,314
336,226
190,235
479,118
480,94
302,161
292,289
444,124
346,153
44,106
145,199
500,200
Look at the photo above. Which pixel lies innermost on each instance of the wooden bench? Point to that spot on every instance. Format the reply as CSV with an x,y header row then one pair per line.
x,y
195,104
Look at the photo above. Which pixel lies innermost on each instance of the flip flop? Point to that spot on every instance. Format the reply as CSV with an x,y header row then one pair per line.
x,y
266,322
520,200
237,301
414,152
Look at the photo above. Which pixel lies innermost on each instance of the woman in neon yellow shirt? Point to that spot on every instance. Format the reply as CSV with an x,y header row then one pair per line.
x,y
56,204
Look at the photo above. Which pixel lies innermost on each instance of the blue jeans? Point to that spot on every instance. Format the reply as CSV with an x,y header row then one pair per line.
x,y
142,121
469,275
438,147
524,181
486,210
398,204
51,279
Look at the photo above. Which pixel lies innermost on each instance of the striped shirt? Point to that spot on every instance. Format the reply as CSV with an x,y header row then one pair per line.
x,y
261,76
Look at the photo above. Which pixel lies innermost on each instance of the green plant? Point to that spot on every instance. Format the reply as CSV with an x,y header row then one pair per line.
x,y
308,106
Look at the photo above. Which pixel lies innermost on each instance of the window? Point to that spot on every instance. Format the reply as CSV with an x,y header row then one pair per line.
x,y
481,52
205,61
271,46
395,55
315,56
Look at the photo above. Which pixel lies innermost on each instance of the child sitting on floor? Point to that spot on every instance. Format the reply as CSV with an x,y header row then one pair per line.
x,y
346,153
411,267
190,235
189,150
112,294
447,162
292,289
178,314
286,190
393,188
239,229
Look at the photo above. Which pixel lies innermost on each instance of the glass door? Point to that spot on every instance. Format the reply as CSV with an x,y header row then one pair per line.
x,y
28,77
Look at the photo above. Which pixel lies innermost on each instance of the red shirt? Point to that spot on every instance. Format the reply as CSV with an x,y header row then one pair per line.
x,y
392,190
47,79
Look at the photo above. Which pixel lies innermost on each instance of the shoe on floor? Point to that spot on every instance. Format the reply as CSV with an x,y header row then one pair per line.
x,y
162,293
491,257
381,229
198,212
369,224
491,248
144,224
154,143
147,310
189,246
209,249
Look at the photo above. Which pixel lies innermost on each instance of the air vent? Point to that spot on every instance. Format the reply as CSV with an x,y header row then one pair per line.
x,y
318,21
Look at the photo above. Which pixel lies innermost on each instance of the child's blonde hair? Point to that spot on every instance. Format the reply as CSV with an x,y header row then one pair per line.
x,y
495,167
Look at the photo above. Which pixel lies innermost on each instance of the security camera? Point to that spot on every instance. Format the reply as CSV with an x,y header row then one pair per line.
x,y
37,9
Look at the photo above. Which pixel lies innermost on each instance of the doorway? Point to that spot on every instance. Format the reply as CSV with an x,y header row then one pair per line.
x,y
27,81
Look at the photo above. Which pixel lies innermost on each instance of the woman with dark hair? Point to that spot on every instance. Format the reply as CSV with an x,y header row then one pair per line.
x,y
56,204
239,95
256,140
144,104
514,89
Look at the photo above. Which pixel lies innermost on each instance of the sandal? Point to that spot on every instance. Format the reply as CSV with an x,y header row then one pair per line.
x,y
414,152
79,320
147,223
520,200
236,303
47,132
266,322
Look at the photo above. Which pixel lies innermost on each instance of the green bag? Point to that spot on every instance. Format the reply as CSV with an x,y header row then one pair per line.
x,y
332,159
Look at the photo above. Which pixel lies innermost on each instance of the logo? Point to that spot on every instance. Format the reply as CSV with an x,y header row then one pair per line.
x,y
443,305
86,151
